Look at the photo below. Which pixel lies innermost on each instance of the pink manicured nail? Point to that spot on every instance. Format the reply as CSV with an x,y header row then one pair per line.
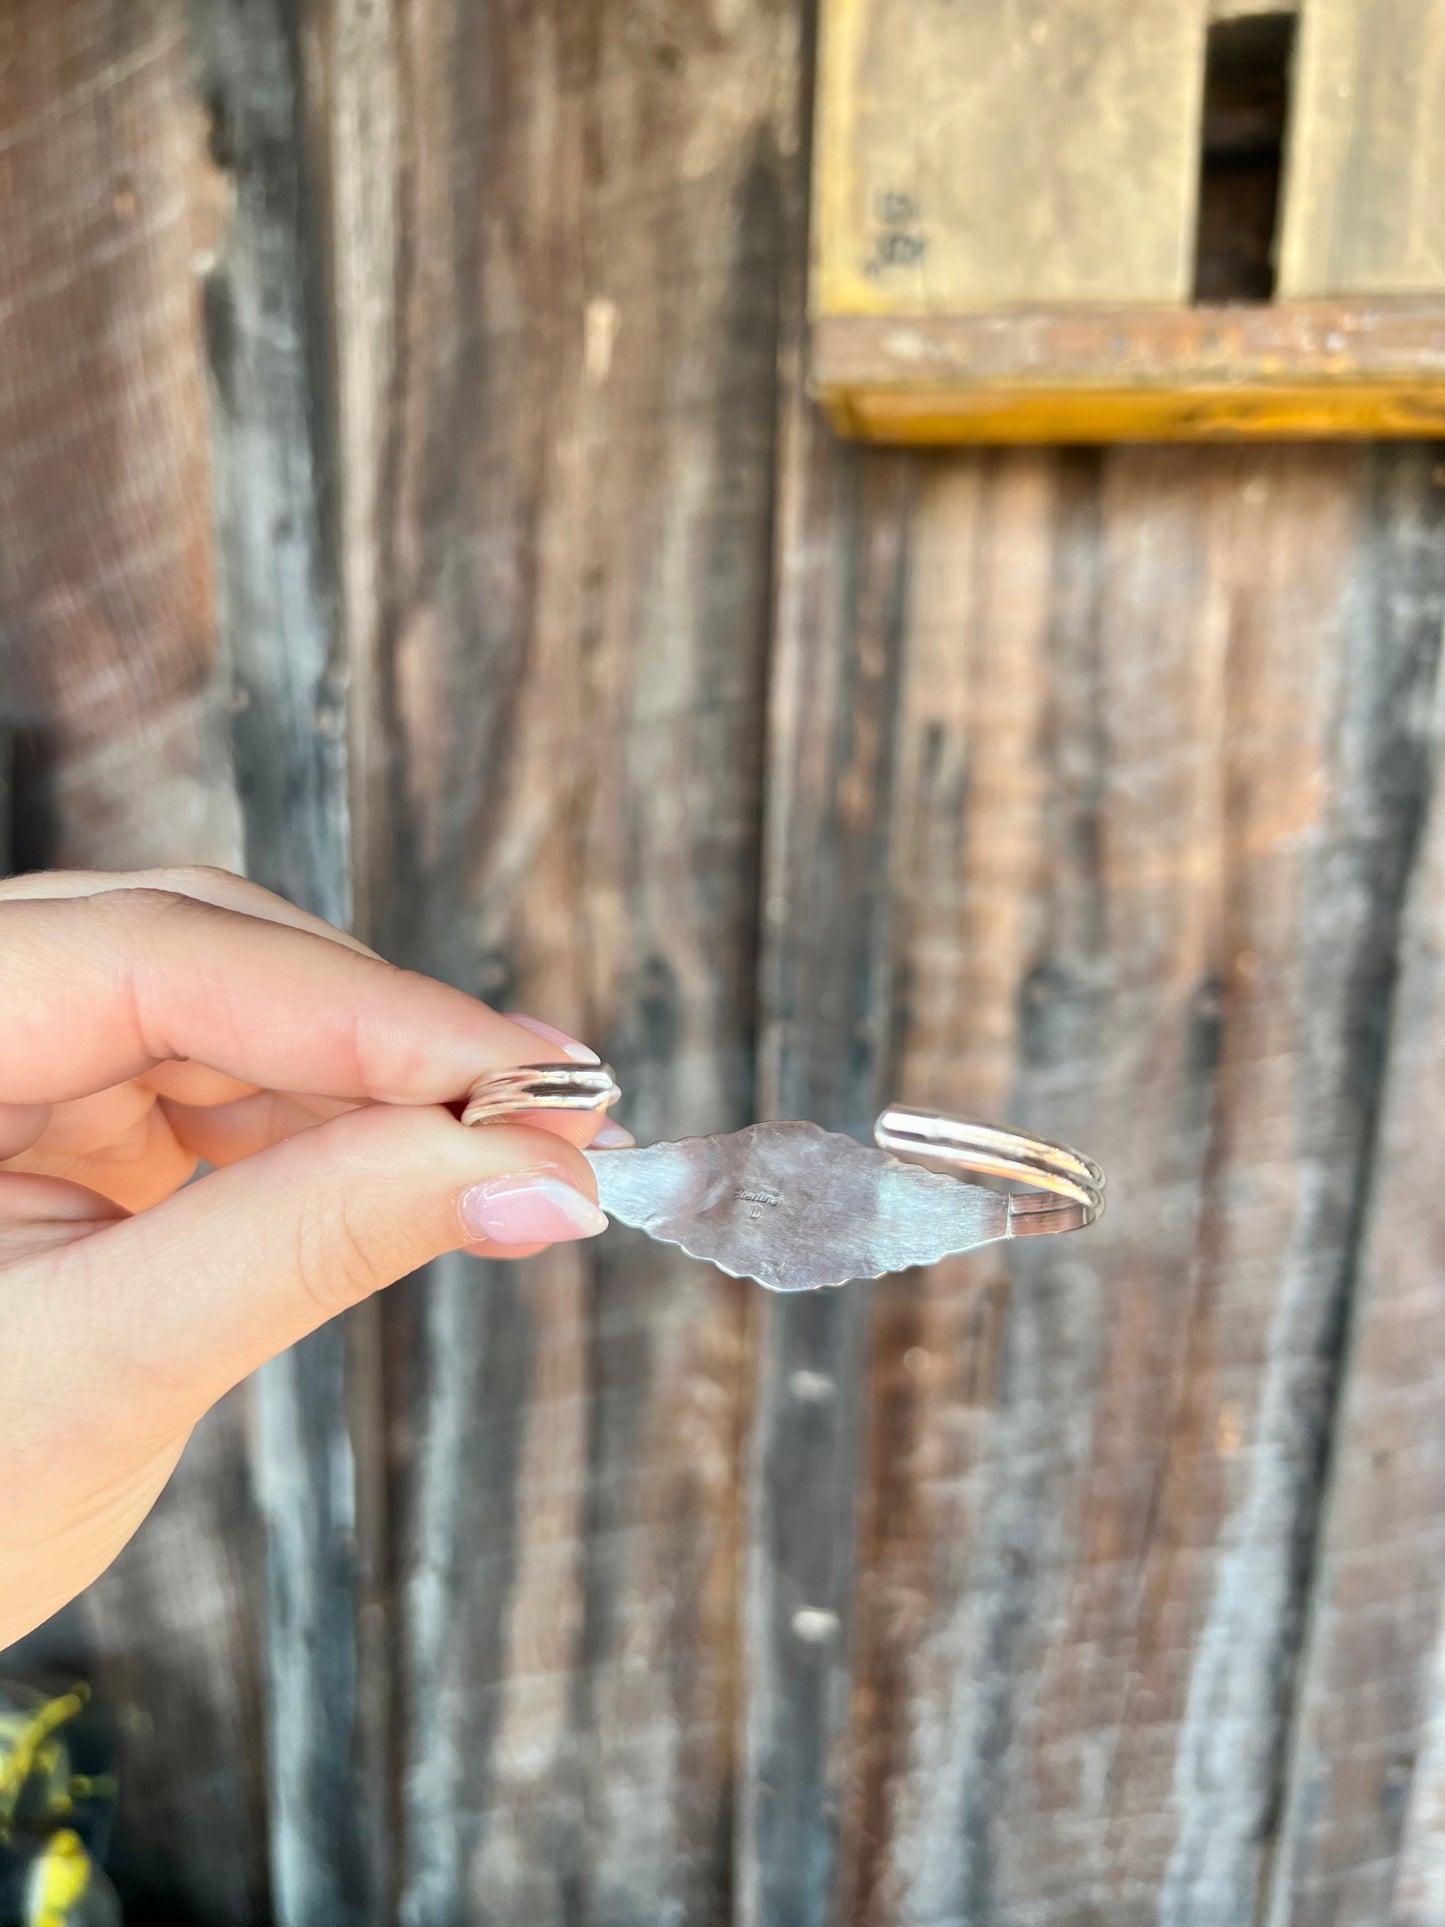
x,y
612,1137
532,1208
579,1053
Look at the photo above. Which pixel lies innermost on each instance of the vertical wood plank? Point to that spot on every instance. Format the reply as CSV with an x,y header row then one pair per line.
x,y
105,572
1161,744
108,645
557,529
1361,1829
318,1406
824,1037
1361,214
840,597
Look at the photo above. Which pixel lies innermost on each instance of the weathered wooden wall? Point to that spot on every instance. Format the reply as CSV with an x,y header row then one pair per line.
x,y
534,622
556,357
114,690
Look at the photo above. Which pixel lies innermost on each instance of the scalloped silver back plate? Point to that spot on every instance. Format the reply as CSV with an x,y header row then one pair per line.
x,y
794,1206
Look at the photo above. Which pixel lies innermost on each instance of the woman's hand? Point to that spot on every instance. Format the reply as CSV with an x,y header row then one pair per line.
x,y
149,1022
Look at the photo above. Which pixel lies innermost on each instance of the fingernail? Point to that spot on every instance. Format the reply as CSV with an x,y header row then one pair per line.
x,y
612,1137
533,1208
579,1053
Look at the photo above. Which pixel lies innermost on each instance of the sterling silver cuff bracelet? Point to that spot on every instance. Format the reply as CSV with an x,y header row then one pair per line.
x,y
796,1207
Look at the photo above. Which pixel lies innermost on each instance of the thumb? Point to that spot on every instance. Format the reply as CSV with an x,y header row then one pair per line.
x,y
189,1297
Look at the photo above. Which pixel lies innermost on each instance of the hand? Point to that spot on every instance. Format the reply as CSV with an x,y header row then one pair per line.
x,y
154,1021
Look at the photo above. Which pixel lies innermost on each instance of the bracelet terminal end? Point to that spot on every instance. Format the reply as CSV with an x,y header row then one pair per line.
x,y
540,1087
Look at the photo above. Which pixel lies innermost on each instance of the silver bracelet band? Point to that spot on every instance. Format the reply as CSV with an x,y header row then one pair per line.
x,y
1066,1189
796,1207
540,1087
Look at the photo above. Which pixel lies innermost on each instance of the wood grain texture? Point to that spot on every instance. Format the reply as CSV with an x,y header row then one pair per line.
x,y
1101,792
110,681
1290,342
822,987
1362,213
1148,899
1361,1832
823,1040
982,173
319,1457
1296,369
556,540
986,157
105,572
1086,416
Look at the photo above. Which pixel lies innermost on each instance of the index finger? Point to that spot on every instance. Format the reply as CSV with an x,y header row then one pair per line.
x,y
98,989
199,880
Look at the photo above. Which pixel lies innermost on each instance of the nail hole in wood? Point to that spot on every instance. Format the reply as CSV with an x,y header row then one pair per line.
x,y
815,1624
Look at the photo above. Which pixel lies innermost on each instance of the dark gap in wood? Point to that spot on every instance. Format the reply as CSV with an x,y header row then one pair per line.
x,y
33,816
7,752
1242,133
273,436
